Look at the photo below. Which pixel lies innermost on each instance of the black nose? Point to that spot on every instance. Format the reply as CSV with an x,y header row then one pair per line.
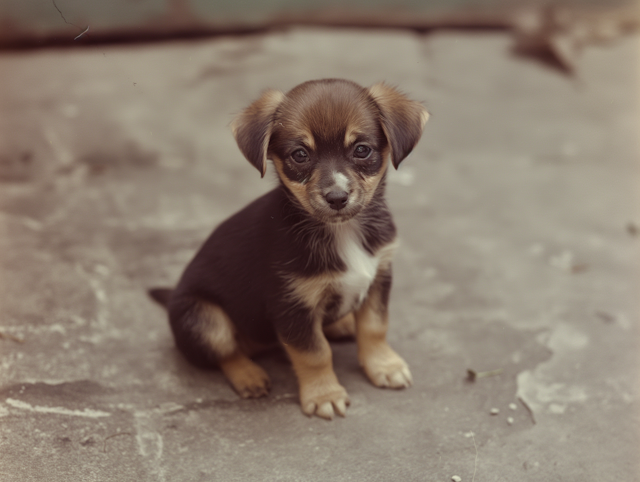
x,y
337,199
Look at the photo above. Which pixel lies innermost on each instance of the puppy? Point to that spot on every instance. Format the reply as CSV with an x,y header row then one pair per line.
x,y
311,258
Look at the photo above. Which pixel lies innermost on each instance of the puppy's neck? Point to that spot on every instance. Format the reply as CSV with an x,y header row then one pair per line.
x,y
351,229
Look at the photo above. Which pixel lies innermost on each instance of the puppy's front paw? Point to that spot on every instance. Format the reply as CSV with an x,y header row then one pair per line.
x,y
385,368
324,399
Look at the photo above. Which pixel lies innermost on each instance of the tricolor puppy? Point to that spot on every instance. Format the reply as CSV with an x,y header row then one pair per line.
x,y
310,259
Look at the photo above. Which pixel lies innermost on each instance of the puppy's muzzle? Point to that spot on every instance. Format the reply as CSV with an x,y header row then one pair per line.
x,y
337,199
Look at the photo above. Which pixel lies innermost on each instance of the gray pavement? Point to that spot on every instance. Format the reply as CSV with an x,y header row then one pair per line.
x,y
519,220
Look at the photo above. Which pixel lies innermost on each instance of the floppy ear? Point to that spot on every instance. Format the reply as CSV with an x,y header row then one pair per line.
x,y
402,120
252,128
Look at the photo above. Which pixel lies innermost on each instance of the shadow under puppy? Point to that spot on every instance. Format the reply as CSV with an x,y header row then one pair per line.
x,y
311,258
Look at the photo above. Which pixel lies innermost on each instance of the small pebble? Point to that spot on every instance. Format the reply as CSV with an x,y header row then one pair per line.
x,y
513,406
510,420
455,478
495,411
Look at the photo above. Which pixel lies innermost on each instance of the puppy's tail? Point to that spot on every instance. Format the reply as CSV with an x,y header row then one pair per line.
x,y
161,295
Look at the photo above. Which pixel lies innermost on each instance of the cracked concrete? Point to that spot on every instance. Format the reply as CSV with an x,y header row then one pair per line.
x,y
518,215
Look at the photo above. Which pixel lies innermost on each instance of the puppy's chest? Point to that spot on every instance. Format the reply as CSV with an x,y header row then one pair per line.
x,y
335,293
352,284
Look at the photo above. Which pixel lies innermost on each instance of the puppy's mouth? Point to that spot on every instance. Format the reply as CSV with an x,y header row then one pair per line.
x,y
339,218
335,207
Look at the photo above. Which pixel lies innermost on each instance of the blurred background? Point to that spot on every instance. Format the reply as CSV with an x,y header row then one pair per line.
x,y
42,22
518,214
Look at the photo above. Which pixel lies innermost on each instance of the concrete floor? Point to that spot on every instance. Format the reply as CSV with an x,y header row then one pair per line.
x,y
519,219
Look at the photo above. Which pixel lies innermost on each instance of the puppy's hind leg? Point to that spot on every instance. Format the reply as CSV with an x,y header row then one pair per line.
x,y
207,337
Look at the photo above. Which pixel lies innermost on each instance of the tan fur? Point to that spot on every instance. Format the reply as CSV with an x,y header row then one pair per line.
x,y
248,379
320,391
383,366
394,105
371,183
351,135
368,185
298,190
263,108
217,330
297,130
312,291
385,253
389,98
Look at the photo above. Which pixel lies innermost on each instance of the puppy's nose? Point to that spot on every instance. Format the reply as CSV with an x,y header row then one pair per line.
x,y
337,199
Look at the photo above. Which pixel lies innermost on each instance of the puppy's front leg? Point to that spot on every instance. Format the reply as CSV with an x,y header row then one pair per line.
x,y
383,366
320,392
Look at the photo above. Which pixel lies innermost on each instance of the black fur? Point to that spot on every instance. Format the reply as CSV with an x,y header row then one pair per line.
x,y
246,266
243,264
161,295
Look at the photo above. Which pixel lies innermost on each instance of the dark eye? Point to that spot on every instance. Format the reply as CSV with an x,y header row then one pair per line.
x,y
300,156
361,151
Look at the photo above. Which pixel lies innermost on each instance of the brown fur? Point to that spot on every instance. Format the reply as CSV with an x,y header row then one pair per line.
x,y
312,258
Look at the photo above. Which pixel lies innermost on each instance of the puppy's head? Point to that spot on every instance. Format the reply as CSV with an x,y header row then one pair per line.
x,y
330,141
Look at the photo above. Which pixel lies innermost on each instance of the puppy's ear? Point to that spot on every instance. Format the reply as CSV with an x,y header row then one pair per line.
x,y
402,120
252,128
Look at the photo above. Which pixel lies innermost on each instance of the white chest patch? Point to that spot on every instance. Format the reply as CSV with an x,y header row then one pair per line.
x,y
355,282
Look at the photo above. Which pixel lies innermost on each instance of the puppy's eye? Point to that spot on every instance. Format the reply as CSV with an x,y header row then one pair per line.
x,y
361,151
300,156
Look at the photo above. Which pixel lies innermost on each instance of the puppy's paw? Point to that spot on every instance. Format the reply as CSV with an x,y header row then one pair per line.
x,y
324,399
247,379
253,383
385,368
